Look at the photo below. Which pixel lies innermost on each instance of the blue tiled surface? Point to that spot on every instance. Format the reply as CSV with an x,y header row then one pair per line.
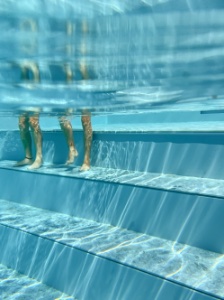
x,y
191,266
15,286
172,182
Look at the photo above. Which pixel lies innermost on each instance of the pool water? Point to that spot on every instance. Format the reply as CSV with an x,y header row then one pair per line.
x,y
147,55
145,222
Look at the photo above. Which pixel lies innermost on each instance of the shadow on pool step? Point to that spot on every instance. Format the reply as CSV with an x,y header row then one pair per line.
x,y
14,285
160,181
53,247
125,199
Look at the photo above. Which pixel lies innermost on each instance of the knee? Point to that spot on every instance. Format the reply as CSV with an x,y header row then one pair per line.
x,y
34,123
86,121
23,124
64,123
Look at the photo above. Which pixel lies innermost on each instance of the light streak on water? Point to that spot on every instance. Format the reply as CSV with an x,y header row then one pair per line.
x,y
191,266
17,286
139,56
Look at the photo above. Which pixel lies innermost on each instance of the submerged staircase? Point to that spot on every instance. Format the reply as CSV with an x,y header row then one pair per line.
x,y
146,222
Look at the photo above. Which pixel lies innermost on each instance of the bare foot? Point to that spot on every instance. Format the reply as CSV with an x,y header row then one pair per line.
x,y
84,167
24,162
36,165
71,156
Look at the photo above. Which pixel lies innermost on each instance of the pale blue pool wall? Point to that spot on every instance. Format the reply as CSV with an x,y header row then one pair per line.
x,y
129,119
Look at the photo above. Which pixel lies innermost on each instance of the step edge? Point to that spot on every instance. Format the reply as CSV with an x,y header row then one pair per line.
x,y
135,185
119,263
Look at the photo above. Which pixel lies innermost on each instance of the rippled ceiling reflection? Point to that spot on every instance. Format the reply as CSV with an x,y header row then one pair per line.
x,y
111,56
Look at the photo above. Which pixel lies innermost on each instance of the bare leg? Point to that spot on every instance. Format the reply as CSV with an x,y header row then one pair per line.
x,y
34,124
26,141
66,125
68,132
88,134
86,122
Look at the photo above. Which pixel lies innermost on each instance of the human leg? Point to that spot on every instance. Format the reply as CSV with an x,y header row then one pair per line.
x,y
26,141
66,127
86,120
88,135
37,134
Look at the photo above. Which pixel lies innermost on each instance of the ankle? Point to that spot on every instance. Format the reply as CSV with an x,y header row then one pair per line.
x,y
28,157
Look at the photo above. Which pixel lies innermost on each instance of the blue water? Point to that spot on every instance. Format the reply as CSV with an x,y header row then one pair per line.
x,y
145,55
140,66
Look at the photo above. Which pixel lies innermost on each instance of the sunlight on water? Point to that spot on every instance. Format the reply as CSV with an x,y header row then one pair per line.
x,y
17,286
111,57
60,236
139,208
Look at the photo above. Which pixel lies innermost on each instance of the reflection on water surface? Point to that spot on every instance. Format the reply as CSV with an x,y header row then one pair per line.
x,y
143,55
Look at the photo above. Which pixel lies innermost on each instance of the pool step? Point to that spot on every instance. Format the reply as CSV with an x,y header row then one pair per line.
x,y
183,209
145,222
195,154
159,181
14,285
95,260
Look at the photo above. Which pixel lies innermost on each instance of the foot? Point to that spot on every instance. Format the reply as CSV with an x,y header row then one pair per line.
x,y
84,167
36,165
71,156
24,162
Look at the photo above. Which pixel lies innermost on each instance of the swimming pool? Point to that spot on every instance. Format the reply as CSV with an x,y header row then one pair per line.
x,y
145,222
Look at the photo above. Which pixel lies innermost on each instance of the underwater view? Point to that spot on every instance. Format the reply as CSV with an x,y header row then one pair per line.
x,y
111,149
111,56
